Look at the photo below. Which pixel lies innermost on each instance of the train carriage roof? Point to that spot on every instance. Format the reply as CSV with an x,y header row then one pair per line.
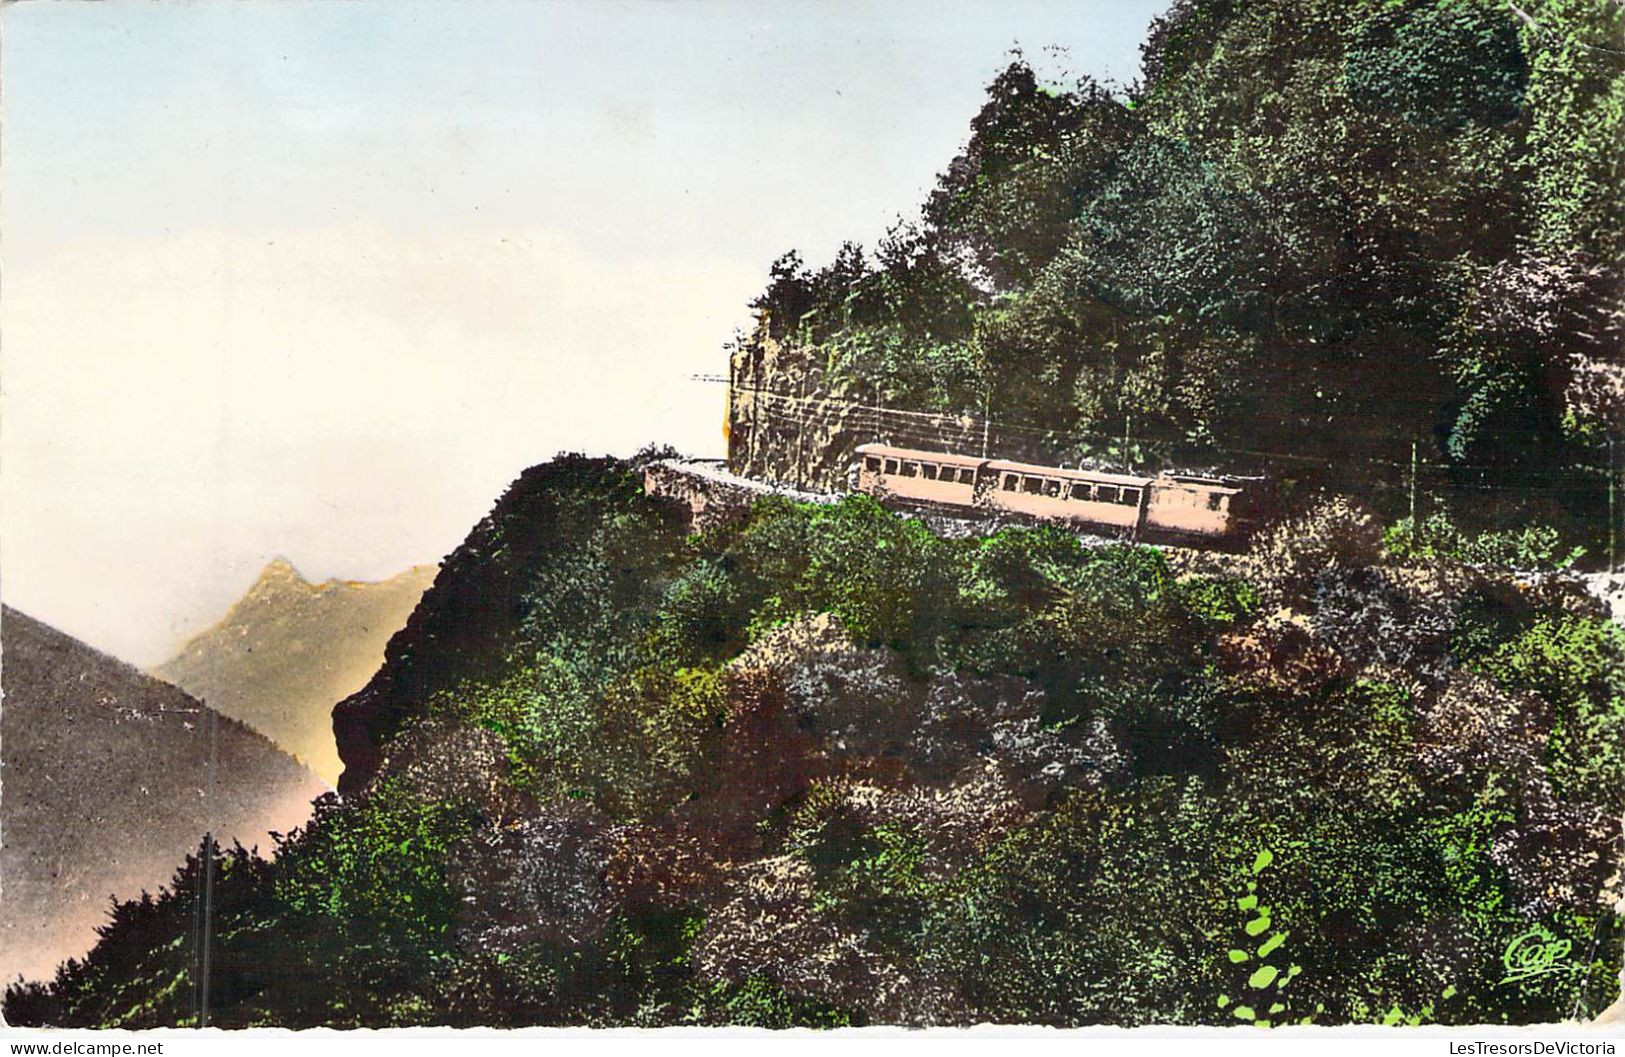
x,y
1185,481
1097,477
917,455
1199,483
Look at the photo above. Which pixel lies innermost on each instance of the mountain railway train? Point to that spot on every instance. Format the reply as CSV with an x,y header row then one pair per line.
x,y
1170,505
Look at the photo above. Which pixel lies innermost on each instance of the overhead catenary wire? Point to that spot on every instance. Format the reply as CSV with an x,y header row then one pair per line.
x,y
813,411
946,430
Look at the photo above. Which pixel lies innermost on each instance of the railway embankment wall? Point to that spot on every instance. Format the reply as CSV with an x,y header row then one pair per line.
x,y
711,493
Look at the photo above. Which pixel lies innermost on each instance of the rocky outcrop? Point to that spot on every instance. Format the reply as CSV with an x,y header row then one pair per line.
x,y
465,624
791,422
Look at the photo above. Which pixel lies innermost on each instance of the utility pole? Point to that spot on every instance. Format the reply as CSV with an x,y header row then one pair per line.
x,y
728,415
987,414
1128,464
1613,509
1413,493
802,414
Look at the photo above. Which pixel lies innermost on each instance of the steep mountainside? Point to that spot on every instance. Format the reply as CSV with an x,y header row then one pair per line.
x,y
817,765
471,621
110,779
289,650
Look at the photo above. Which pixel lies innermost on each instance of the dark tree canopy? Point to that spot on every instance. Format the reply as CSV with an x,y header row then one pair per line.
x,y
1298,246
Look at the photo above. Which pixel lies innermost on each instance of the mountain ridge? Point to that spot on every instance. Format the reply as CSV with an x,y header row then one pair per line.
x,y
110,778
290,648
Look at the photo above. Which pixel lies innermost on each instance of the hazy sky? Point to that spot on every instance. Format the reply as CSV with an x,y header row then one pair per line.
x,y
318,279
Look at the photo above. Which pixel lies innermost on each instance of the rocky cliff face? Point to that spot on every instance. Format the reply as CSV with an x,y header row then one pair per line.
x,y
110,778
791,422
290,649
785,424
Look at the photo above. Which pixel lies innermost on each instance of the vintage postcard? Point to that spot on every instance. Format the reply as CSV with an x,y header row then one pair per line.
x,y
757,515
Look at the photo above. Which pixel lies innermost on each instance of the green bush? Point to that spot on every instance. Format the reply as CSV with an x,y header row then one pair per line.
x,y
1534,548
1577,665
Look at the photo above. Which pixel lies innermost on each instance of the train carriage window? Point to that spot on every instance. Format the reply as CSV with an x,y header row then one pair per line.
x,y
1009,483
928,471
891,465
1214,501
1106,493
1082,491
911,469
872,464
1052,487
1130,497
1031,485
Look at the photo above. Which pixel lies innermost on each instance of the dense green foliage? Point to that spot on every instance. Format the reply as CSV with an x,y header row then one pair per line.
x,y
1315,233
821,766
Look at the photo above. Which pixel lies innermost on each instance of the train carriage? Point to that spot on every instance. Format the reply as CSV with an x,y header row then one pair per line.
x,y
1168,505
1189,505
1106,499
919,476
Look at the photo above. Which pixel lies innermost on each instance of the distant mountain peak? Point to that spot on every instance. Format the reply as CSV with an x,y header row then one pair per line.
x,y
280,568
290,649
279,572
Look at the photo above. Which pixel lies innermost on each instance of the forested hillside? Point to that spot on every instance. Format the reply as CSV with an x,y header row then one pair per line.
x,y
1315,234
618,775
